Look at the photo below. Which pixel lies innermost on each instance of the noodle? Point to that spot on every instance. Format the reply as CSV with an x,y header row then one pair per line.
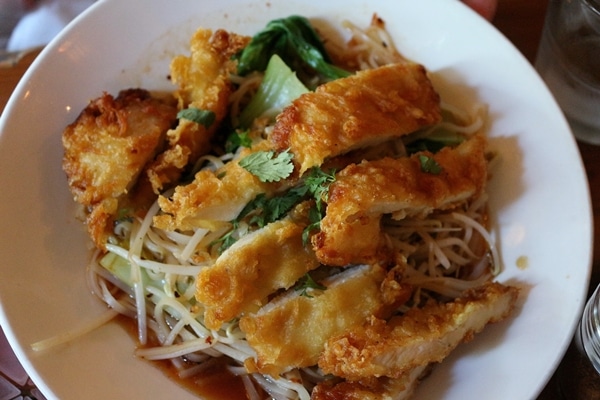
x,y
46,344
150,273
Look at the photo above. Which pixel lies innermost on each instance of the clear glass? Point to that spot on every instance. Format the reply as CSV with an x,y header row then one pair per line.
x,y
578,376
568,60
587,336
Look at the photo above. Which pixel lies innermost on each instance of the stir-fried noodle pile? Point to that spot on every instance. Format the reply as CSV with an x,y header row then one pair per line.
x,y
150,264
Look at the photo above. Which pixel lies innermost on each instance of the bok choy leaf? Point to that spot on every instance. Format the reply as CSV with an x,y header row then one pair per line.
x,y
279,87
296,42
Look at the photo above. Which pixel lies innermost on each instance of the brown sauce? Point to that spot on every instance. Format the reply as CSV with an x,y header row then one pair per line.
x,y
215,383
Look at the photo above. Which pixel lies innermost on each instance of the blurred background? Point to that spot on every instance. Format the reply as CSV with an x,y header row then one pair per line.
x,y
25,24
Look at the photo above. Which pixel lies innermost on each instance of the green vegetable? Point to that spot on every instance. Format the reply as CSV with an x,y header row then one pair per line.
x,y
315,216
296,42
279,87
121,268
266,210
202,117
306,284
269,166
429,165
262,210
435,142
228,239
237,139
318,182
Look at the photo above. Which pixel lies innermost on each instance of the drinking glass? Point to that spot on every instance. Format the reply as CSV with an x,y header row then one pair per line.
x,y
568,60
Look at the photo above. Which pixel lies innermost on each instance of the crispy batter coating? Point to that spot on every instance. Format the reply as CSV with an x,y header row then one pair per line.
x,y
107,148
210,198
382,388
291,331
124,152
419,337
362,193
203,81
253,268
362,110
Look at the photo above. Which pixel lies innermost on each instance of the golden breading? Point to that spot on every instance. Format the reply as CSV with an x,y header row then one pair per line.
x,y
362,110
362,193
211,197
291,331
382,388
203,82
253,268
419,337
107,148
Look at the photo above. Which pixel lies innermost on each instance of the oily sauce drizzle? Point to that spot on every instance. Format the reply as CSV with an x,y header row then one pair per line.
x,y
215,382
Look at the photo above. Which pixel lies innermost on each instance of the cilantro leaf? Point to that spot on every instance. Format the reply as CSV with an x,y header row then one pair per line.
x,y
265,210
261,210
269,166
306,284
202,117
226,241
314,216
277,207
237,139
429,165
257,203
318,182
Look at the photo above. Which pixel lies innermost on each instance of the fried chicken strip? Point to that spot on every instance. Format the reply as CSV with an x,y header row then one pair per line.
x,y
212,197
362,193
254,267
204,84
362,110
382,388
106,149
419,337
291,331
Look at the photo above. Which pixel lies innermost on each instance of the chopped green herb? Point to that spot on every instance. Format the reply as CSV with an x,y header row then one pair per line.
x,y
314,216
266,210
269,166
277,207
226,240
255,204
237,139
306,284
435,142
262,210
429,165
318,182
296,42
202,117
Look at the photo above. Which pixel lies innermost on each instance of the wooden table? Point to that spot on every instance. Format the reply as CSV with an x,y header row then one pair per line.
x,y
521,21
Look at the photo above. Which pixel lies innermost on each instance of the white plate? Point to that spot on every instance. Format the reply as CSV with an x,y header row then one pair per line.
x,y
540,198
